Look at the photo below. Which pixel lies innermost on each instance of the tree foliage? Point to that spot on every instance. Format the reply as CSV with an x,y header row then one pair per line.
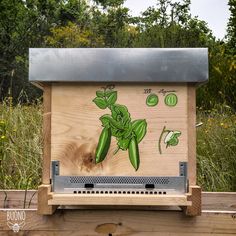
x,y
231,30
107,23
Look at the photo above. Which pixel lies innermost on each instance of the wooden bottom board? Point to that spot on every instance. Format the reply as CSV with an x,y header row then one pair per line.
x,y
122,199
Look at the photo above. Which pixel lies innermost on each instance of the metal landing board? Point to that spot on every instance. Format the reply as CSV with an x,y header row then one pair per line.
x,y
119,184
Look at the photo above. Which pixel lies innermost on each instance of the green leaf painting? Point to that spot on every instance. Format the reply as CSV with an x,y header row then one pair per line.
x,y
118,124
100,102
111,98
171,138
139,127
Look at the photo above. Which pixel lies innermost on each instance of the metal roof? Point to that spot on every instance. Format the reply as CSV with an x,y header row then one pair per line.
x,y
118,65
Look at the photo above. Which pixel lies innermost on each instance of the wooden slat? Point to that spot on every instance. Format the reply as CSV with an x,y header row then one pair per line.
x,y
18,199
46,134
123,199
217,201
117,222
224,201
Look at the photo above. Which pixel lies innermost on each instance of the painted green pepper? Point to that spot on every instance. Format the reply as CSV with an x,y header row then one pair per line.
x,y
134,153
103,145
152,100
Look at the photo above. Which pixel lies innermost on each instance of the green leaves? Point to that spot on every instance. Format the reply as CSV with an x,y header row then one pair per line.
x,y
123,144
105,98
107,120
171,138
140,128
100,94
111,99
128,134
121,114
100,102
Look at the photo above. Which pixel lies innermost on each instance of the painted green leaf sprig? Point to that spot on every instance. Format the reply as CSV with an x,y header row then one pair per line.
x,y
171,138
119,125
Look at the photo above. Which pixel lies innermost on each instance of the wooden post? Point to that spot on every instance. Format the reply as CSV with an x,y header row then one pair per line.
x,y
43,197
195,197
194,191
46,134
45,188
191,109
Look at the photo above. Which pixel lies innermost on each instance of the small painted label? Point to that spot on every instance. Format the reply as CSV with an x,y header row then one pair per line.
x,y
147,91
171,100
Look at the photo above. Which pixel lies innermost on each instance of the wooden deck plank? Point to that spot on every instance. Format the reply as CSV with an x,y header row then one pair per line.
x,y
123,222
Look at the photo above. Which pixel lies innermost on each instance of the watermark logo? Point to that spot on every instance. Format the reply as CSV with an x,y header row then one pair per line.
x,y
16,220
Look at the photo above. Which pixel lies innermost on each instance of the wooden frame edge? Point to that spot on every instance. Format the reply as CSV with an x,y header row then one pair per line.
x,y
46,134
195,196
43,197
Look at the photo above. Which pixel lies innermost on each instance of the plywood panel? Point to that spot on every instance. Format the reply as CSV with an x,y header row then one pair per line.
x,y
76,128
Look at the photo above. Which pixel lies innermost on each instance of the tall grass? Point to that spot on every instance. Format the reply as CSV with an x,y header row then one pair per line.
x,y
216,149
21,147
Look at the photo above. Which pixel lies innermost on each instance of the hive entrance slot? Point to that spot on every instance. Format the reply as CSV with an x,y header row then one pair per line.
x,y
149,186
89,185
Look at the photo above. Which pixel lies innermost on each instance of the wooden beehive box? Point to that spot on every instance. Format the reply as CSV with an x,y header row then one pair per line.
x,y
119,126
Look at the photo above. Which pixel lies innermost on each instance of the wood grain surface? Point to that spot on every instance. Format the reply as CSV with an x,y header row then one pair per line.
x,y
123,200
122,222
76,128
46,134
191,133
218,218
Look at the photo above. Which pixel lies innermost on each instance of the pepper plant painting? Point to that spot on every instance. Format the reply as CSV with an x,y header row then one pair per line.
x,y
118,124
171,138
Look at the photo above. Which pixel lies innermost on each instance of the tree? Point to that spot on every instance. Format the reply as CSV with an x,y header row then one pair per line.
x,y
171,25
24,24
231,27
73,36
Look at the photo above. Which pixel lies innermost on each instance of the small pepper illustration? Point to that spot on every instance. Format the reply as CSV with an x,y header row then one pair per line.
x,y
171,138
134,153
152,100
103,145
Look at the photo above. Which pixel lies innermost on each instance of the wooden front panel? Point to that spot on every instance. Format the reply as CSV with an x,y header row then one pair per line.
x,y
76,128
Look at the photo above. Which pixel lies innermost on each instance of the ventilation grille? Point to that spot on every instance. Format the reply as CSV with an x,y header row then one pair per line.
x,y
118,180
118,192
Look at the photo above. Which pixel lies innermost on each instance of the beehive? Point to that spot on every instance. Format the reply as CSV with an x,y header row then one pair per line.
x,y
119,126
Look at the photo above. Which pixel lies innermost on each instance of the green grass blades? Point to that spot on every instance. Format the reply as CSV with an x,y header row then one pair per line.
x,y
216,149
20,146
